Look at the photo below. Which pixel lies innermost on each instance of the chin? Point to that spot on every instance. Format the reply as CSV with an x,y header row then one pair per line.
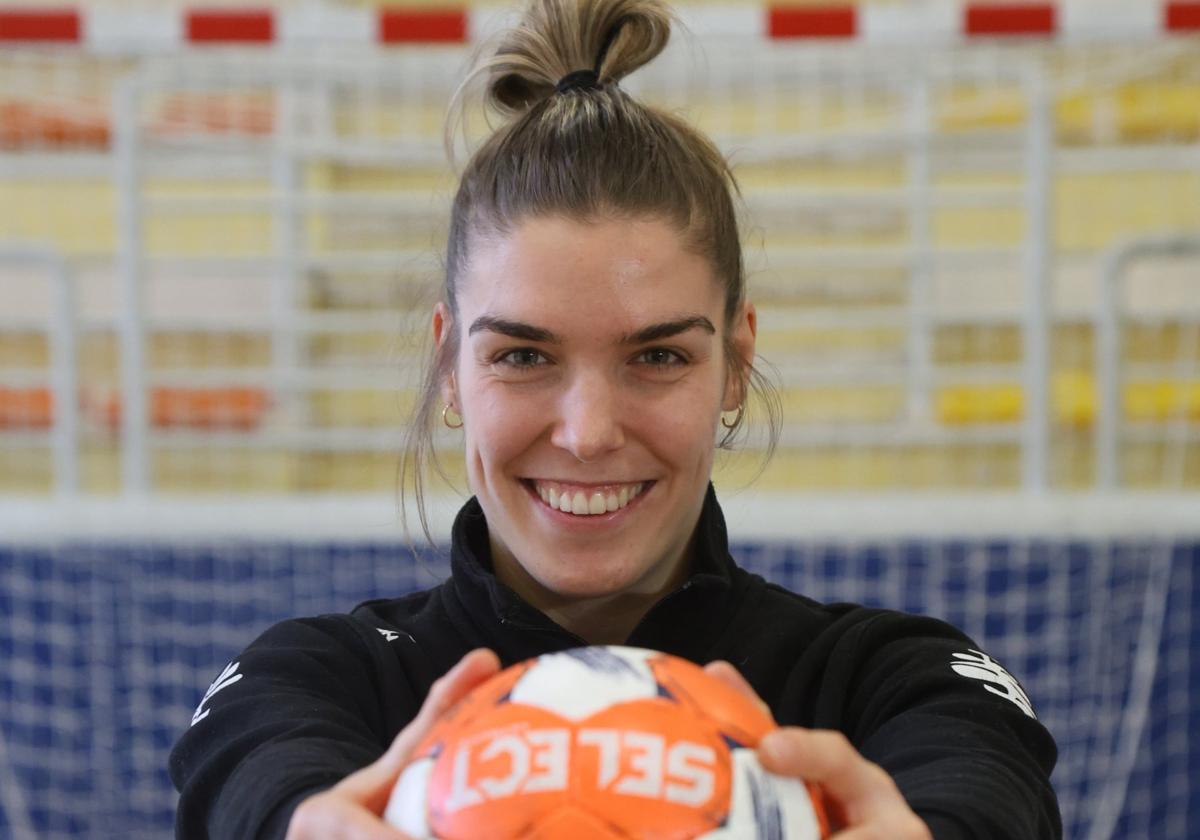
x,y
581,579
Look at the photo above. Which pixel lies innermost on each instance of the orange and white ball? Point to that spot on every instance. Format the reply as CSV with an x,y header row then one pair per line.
x,y
601,743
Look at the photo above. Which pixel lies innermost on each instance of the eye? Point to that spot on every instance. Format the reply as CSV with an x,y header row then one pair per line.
x,y
522,357
661,357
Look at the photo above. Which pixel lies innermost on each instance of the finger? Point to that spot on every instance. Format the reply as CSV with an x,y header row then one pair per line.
x,y
361,825
473,669
862,790
372,784
904,825
329,818
732,677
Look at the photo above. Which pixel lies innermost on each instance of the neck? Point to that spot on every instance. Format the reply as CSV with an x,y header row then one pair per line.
x,y
605,619
601,621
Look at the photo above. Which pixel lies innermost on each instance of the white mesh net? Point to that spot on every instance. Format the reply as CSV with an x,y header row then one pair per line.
x,y
109,645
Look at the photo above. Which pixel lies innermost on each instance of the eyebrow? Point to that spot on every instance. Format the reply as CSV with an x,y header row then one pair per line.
x,y
514,329
529,332
657,332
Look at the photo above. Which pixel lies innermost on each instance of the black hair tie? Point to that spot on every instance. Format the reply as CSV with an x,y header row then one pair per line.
x,y
578,80
590,79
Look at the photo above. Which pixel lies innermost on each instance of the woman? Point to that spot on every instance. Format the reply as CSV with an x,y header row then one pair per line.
x,y
592,341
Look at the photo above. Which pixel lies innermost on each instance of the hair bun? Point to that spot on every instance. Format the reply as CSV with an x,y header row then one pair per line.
x,y
558,37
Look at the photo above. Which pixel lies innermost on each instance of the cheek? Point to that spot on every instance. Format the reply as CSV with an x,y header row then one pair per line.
x,y
693,439
686,426
499,425
679,425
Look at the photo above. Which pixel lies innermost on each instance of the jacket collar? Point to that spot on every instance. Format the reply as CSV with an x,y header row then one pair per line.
x,y
684,622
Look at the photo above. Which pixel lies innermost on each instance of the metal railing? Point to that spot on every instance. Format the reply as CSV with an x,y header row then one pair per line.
x,y
64,373
1109,375
304,130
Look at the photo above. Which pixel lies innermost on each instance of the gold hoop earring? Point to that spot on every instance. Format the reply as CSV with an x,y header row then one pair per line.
x,y
446,420
737,419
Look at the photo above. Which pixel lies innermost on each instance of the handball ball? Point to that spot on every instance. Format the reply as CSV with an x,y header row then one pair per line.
x,y
601,743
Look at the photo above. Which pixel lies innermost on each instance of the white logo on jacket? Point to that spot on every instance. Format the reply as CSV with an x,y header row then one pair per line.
x,y
225,679
392,635
977,665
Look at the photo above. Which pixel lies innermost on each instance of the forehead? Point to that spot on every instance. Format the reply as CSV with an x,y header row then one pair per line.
x,y
603,273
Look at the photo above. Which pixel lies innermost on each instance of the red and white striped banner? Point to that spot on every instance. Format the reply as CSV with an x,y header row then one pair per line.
x,y
937,22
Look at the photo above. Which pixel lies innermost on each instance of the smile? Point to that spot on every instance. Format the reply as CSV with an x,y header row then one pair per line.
x,y
587,501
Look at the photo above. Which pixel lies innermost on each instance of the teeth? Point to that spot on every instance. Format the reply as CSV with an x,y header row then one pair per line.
x,y
596,504
589,504
579,504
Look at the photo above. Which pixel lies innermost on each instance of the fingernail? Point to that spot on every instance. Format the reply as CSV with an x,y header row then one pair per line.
x,y
771,745
462,663
478,651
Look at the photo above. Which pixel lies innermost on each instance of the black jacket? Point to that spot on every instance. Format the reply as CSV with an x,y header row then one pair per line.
x,y
312,700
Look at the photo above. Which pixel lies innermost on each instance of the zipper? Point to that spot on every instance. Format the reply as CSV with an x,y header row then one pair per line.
x,y
553,630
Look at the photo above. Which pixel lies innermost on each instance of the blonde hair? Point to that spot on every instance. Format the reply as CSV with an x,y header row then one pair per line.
x,y
581,153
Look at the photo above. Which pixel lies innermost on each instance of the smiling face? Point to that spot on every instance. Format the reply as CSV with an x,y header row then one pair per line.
x,y
591,376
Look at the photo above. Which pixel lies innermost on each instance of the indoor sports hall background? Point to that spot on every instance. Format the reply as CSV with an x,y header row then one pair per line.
x,y
974,237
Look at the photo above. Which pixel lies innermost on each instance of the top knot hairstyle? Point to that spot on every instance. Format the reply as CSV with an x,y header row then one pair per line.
x,y
611,38
573,144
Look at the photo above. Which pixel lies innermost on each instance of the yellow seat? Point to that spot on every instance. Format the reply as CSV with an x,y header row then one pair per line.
x,y
1073,399
1162,400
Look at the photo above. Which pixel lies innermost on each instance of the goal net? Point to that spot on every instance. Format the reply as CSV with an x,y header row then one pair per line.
x,y
108,643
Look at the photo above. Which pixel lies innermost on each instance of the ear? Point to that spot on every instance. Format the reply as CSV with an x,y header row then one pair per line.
x,y
744,333
443,324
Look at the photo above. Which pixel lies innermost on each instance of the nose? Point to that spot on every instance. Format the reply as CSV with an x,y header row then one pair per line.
x,y
589,423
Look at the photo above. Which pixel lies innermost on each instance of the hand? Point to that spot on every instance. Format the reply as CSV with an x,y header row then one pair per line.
x,y
864,799
352,809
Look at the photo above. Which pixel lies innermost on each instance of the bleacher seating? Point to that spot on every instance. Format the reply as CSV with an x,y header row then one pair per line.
x,y
372,227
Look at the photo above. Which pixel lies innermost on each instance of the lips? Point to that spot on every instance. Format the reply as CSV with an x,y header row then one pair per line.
x,y
591,500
